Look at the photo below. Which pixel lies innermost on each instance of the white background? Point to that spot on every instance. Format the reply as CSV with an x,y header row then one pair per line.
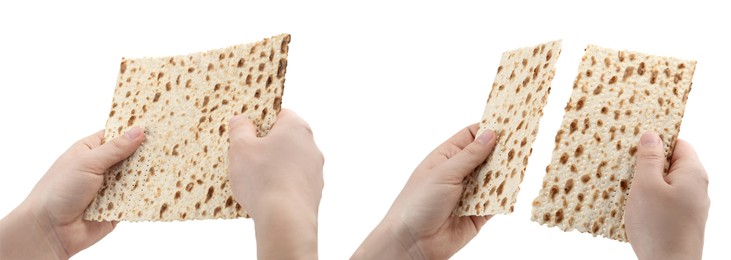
x,y
382,84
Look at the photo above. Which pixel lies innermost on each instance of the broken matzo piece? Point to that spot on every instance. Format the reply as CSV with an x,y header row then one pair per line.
x,y
617,96
513,111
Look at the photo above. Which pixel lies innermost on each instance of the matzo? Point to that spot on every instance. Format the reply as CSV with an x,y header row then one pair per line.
x,y
183,103
513,111
617,96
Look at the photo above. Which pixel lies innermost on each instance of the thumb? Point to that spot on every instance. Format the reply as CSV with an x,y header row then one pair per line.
x,y
241,127
464,162
116,150
651,160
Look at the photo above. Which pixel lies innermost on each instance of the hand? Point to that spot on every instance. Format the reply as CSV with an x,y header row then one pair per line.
x,y
666,215
419,224
278,181
49,224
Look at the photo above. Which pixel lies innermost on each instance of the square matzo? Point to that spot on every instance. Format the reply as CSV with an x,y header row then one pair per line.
x,y
183,103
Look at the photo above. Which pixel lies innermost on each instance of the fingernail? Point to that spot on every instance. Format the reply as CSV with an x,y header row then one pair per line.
x,y
133,133
649,139
485,137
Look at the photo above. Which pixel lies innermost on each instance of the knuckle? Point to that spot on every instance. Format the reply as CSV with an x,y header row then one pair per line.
x,y
87,162
79,143
701,175
118,143
651,158
321,157
473,149
307,127
302,127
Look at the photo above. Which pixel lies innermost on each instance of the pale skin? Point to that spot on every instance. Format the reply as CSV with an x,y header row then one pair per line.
x,y
419,224
278,180
48,224
665,217
666,214
280,183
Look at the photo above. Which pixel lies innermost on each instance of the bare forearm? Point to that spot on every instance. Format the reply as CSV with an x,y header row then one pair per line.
x,y
286,233
23,236
689,249
385,242
671,256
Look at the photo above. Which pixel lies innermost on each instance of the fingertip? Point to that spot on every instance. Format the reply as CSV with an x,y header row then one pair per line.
x,y
474,127
236,120
241,125
471,156
239,121
650,160
486,137
650,139
134,137
133,133
112,152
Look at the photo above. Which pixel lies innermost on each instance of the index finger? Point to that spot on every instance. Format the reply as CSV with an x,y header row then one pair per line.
x,y
452,146
683,151
685,160
89,142
287,120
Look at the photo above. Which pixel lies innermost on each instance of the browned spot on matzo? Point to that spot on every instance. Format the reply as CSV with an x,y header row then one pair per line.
x,y
523,81
183,175
637,96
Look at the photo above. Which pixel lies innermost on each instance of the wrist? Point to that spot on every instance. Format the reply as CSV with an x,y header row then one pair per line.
x,y
33,236
286,230
686,244
273,204
670,253
669,256
391,239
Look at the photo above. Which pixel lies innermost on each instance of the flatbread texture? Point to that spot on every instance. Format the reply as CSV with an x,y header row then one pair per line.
x,y
617,96
183,103
513,111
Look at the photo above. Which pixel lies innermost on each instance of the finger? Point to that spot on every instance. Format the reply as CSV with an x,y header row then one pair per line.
x,y
464,137
449,148
651,159
287,120
88,143
685,158
474,154
241,127
480,221
683,151
458,141
116,150
95,231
